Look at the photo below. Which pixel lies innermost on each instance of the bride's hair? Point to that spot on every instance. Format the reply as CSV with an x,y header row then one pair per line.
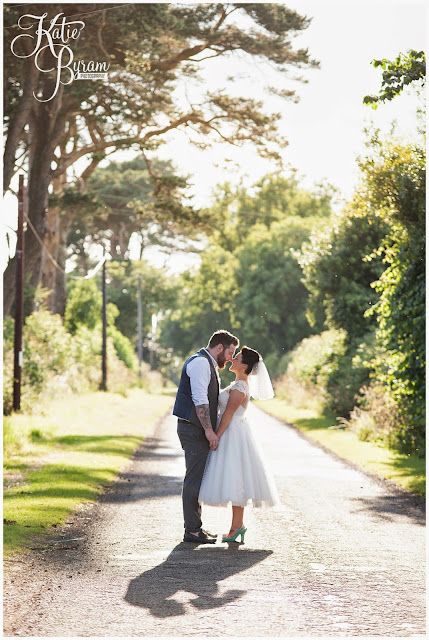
x,y
249,357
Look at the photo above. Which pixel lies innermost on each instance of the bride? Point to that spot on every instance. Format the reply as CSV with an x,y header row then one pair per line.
x,y
235,473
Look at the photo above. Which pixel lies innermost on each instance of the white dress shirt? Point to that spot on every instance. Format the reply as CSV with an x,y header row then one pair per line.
x,y
199,373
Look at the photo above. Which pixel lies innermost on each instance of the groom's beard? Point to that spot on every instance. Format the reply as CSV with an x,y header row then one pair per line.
x,y
221,360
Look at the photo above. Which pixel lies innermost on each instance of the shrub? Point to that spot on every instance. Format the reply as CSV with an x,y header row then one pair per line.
x,y
376,419
83,305
56,362
123,348
47,355
326,371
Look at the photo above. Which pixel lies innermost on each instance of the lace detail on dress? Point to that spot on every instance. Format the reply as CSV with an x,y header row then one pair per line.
x,y
240,385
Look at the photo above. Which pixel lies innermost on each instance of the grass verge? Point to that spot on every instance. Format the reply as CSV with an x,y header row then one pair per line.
x,y
62,457
407,471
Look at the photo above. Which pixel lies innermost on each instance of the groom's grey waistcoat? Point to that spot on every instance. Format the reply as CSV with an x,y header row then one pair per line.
x,y
184,407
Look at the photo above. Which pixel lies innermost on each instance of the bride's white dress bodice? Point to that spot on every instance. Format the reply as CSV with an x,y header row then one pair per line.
x,y
240,385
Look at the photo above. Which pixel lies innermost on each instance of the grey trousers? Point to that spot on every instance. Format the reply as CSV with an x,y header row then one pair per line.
x,y
196,447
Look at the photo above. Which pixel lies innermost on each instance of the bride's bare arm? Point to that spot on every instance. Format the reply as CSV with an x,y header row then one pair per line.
x,y
234,401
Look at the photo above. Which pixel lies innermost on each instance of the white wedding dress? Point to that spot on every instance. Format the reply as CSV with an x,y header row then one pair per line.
x,y
235,473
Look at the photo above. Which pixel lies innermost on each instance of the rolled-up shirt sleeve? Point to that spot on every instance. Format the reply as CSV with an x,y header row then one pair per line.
x,y
199,373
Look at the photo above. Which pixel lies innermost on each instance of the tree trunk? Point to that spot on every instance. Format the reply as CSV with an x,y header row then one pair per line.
x,y
57,228
119,241
114,244
45,130
48,268
18,123
124,240
60,281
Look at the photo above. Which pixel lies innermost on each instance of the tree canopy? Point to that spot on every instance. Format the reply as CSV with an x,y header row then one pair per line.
x,y
249,279
152,49
337,272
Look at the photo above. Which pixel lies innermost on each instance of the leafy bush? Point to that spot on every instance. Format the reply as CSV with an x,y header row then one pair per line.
x,y
395,188
124,348
83,310
83,305
47,355
55,362
376,419
327,369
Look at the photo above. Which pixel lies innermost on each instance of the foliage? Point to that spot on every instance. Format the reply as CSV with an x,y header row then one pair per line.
x,y
329,368
123,348
155,50
167,43
273,198
83,306
249,281
367,272
337,272
311,361
395,181
406,69
269,307
159,291
48,360
56,362
131,200
84,309
376,418
203,304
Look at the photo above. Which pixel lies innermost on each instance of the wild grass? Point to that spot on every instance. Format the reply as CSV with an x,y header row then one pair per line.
x,y
66,454
407,471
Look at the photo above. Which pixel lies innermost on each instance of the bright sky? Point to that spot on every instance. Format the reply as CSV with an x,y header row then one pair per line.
x,y
325,128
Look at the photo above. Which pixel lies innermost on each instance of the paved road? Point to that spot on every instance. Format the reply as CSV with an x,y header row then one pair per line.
x,y
343,556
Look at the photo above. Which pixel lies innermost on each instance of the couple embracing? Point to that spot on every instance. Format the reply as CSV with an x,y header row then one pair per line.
x,y
223,464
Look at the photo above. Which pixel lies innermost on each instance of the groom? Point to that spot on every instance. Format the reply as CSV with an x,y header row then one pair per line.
x,y
196,407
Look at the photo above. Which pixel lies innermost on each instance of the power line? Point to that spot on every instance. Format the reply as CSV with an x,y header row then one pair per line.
x,y
90,273
119,6
42,244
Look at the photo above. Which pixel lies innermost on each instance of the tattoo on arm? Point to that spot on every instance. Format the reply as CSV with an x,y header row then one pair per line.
x,y
203,413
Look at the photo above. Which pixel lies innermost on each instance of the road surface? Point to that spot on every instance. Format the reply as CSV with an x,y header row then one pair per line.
x,y
343,556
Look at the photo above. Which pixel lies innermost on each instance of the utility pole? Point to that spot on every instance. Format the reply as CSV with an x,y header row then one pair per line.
x,y
103,385
139,326
19,300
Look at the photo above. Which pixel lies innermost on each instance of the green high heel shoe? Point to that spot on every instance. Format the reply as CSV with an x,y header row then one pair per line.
x,y
240,532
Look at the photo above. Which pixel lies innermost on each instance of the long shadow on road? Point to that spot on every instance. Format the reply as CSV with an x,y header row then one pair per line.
x,y
196,571
389,507
133,486
142,486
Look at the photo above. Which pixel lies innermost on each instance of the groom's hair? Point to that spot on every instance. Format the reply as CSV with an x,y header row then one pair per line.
x,y
225,338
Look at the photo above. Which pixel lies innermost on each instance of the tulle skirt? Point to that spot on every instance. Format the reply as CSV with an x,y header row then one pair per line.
x,y
236,473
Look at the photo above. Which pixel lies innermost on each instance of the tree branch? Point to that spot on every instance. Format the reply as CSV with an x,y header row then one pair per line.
x,y
186,54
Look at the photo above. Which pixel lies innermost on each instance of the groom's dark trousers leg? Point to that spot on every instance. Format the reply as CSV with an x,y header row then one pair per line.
x,y
196,447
